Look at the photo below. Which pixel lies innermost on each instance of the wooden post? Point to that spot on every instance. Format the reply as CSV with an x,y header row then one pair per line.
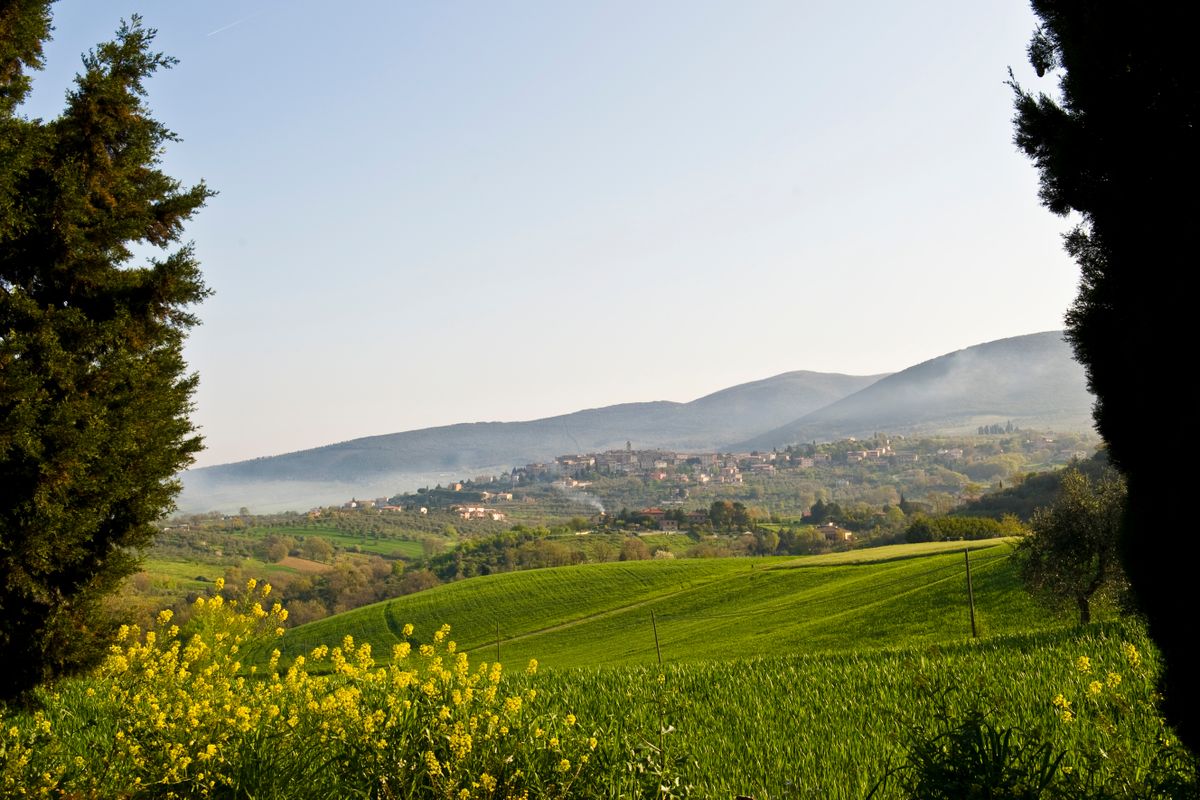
x,y
658,703
970,592
657,649
497,641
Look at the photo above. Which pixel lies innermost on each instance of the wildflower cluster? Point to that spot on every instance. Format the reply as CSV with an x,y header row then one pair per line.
x,y
1100,688
1110,730
211,711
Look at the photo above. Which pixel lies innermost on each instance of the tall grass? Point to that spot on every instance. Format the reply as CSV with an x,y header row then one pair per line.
x,y
794,679
169,719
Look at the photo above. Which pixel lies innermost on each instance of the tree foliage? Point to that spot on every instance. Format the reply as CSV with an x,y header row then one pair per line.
x,y
1120,148
940,529
1071,554
94,391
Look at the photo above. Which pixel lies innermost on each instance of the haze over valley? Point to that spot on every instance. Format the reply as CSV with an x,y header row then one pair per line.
x,y
1030,380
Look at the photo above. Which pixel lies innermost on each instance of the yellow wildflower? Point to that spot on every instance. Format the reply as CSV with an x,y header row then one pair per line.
x,y
1132,655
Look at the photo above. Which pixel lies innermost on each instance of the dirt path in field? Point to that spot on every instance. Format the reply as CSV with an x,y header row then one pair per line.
x,y
304,565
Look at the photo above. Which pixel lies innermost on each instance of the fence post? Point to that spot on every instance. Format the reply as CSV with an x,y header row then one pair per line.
x,y
657,649
970,592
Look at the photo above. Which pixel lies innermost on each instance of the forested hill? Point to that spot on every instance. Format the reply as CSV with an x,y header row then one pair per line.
x,y
1030,380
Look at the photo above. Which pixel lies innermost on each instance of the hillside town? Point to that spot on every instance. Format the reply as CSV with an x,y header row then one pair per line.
x,y
679,474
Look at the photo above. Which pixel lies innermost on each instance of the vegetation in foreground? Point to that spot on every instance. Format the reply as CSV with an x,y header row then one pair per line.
x,y
178,713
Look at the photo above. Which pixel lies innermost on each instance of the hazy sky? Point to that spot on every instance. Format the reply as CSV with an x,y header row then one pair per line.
x,y
439,211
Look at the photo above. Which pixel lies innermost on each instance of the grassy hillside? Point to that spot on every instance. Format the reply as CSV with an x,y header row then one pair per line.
x,y
716,608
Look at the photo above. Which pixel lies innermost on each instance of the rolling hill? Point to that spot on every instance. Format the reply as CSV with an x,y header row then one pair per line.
x,y
596,614
1031,380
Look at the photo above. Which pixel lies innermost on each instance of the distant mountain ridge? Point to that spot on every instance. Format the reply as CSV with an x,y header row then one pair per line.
x,y
1031,380
711,422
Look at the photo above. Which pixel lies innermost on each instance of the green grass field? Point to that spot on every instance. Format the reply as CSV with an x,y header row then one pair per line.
x,y
831,725
182,576
600,614
388,546
781,678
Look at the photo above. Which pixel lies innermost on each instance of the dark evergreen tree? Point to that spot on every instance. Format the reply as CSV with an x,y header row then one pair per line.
x,y
94,391
1119,146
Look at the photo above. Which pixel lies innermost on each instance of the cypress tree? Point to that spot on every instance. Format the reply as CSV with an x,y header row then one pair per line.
x,y
94,391
1119,148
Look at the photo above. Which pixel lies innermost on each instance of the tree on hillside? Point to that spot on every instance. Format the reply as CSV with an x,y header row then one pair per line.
x,y
1120,147
1071,556
94,391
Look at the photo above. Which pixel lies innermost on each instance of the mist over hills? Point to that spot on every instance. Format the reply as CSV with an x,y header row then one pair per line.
x,y
391,462
1031,380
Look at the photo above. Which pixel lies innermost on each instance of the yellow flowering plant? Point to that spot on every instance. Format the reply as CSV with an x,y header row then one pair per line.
x,y
1099,703
207,709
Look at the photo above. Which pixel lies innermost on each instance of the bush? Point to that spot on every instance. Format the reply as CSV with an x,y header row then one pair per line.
x,y
941,529
973,760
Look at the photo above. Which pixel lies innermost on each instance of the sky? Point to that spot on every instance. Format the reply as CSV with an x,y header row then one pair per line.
x,y
433,212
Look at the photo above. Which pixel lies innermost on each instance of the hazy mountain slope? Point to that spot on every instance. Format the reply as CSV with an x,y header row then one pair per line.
x,y
1032,380
711,422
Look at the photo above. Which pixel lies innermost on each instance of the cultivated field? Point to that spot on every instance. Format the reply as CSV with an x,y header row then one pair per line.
x,y
704,609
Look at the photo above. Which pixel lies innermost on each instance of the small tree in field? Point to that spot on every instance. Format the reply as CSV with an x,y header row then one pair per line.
x,y
1071,556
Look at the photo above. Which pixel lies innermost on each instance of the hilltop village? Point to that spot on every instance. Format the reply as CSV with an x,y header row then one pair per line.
x,y
950,469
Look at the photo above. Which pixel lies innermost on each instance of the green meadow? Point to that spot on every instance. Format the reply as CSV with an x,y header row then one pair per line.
x,y
705,609
807,677
388,545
